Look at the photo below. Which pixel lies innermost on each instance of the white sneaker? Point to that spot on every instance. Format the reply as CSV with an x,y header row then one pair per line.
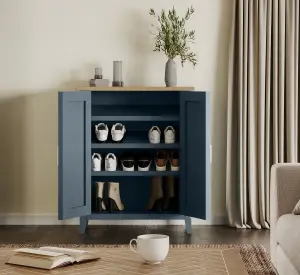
x,y
117,132
169,135
110,162
101,131
96,162
154,135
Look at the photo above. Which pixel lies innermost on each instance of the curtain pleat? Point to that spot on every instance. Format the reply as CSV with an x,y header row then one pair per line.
x,y
263,87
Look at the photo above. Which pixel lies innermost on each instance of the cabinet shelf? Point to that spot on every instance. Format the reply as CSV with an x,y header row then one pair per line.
x,y
134,145
121,173
133,140
135,215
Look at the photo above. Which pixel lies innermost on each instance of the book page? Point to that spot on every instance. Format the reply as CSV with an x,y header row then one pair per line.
x,y
67,251
39,252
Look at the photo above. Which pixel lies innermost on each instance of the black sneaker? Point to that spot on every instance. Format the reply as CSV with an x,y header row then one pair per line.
x,y
127,161
144,162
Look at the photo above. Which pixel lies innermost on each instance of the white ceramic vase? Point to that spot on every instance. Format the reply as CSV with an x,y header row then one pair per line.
x,y
171,73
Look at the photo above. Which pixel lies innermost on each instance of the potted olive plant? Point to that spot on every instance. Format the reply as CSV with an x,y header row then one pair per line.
x,y
172,38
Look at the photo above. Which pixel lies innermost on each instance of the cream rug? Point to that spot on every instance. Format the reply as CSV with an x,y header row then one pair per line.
x,y
182,259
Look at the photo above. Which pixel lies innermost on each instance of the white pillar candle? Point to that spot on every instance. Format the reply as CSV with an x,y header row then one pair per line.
x,y
117,72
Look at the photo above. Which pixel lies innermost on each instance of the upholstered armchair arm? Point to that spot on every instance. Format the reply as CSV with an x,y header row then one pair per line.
x,y
284,194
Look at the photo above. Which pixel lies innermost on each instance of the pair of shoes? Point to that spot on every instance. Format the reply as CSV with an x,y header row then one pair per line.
x,y
117,132
158,200
114,198
142,160
154,135
110,162
162,158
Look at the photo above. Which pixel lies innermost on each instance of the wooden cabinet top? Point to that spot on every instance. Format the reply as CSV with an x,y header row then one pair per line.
x,y
137,88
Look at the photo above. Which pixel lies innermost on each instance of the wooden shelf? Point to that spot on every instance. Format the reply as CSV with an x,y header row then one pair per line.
x,y
137,88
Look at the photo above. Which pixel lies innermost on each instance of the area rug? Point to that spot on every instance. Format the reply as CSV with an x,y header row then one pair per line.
x,y
182,259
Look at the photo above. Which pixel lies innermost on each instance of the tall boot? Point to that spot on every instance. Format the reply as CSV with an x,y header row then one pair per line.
x,y
114,198
100,205
169,200
156,197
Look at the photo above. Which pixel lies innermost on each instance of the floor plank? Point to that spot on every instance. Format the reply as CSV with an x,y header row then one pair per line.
x,y
108,234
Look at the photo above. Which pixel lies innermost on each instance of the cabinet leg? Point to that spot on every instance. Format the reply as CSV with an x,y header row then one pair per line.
x,y
188,225
83,224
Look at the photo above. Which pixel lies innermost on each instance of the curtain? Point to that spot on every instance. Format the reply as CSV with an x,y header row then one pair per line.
x,y
263,104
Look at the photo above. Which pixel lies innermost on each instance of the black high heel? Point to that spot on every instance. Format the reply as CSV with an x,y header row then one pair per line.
x,y
112,206
157,206
114,199
156,196
169,204
99,205
170,197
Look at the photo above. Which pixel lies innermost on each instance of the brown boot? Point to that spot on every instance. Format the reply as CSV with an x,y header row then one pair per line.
x,y
155,203
169,200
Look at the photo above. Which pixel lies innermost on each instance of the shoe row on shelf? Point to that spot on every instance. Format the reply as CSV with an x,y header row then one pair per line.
x,y
159,200
139,162
113,198
118,132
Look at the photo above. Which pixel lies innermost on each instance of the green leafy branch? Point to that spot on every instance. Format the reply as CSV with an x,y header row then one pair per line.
x,y
171,37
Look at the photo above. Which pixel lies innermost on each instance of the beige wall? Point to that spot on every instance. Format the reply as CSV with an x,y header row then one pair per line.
x,y
52,44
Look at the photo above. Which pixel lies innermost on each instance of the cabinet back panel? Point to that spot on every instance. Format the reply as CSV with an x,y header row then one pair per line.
x,y
135,98
135,110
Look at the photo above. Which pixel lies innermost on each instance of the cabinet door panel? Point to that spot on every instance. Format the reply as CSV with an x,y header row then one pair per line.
x,y
74,160
195,154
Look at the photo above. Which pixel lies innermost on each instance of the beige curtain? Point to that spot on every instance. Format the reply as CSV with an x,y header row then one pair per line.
x,y
263,104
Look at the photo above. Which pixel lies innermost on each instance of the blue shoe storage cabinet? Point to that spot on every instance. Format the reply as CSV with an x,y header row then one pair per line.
x,y
139,110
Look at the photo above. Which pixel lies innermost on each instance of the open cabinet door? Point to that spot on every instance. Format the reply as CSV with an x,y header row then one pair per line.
x,y
195,154
74,154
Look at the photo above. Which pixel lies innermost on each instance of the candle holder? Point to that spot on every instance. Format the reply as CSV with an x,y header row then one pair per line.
x,y
98,80
98,73
117,74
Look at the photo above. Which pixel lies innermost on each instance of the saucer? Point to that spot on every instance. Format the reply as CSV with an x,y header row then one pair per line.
x,y
152,263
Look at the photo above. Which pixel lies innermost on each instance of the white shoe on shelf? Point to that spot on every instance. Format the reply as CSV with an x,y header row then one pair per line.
x,y
101,131
169,134
154,135
114,198
96,162
110,162
117,132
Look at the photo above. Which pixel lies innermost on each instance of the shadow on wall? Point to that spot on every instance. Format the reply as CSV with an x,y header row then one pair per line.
x,y
219,105
141,47
28,145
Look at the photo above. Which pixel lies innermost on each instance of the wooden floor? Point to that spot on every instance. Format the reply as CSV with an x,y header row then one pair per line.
x,y
123,234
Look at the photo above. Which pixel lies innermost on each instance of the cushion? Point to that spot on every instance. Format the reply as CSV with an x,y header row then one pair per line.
x,y
288,237
296,210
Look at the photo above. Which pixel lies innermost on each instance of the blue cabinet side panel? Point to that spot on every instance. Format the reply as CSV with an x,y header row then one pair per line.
x,y
74,154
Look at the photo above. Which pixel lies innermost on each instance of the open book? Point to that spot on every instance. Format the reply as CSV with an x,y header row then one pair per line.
x,y
49,257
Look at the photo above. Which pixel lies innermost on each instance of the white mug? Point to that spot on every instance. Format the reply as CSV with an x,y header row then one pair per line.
x,y
152,248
